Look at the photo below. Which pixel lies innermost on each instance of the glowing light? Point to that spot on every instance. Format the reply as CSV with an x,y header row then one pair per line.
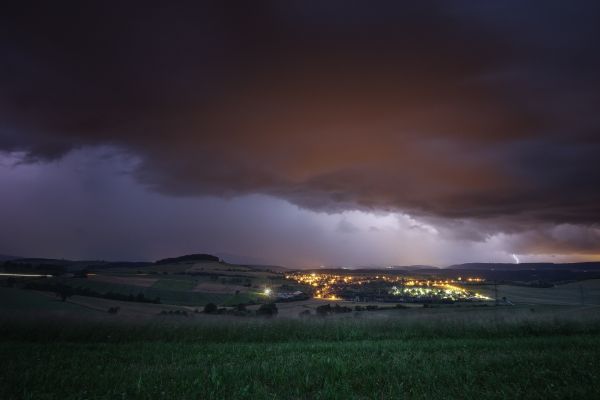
x,y
336,287
517,261
267,292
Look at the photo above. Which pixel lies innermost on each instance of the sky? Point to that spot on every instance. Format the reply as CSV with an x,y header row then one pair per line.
x,y
301,133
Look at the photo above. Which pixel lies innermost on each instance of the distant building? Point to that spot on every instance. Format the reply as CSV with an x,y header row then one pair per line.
x,y
291,296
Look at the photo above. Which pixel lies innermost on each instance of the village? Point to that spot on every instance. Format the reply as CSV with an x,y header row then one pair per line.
x,y
386,288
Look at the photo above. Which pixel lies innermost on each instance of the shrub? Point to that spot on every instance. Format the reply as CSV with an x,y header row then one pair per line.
x,y
210,308
64,292
323,310
269,310
341,309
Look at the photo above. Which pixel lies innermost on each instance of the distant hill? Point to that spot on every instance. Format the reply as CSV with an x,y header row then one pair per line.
x,y
242,259
581,266
4,257
266,267
189,259
58,266
412,267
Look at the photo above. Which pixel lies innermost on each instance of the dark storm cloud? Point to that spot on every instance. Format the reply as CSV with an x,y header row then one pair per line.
x,y
484,110
563,239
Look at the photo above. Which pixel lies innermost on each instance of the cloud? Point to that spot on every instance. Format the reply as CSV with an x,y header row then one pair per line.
x,y
560,239
459,111
345,226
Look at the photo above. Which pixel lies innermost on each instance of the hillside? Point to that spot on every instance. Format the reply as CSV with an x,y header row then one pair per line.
x,y
4,257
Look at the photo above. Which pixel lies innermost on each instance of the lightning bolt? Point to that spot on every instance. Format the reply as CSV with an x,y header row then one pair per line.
x,y
517,261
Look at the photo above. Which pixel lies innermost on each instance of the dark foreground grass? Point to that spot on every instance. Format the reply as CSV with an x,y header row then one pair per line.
x,y
509,368
299,360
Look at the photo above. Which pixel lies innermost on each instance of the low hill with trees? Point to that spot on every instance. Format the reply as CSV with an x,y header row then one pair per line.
x,y
190,258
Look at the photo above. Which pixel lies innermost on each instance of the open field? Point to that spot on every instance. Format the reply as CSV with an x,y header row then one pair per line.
x,y
290,359
545,346
169,291
175,284
15,301
72,350
124,280
521,368
577,293
210,287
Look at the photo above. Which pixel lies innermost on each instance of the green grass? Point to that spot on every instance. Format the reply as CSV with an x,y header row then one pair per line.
x,y
166,295
546,366
175,284
542,352
567,294
17,300
469,368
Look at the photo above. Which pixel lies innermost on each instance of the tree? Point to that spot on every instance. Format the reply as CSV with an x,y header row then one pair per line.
x,y
64,292
268,310
323,310
341,309
210,308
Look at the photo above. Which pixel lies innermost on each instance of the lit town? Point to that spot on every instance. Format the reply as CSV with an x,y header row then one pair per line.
x,y
386,288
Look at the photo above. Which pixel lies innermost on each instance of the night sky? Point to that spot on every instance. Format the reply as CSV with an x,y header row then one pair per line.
x,y
301,133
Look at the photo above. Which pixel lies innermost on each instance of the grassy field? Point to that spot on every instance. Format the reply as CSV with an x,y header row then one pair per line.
x,y
586,292
15,301
184,284
170,291
287,359
175,284
77,350
508,368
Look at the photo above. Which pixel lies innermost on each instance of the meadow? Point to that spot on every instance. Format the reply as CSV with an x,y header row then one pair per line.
x,y
536,367
449,353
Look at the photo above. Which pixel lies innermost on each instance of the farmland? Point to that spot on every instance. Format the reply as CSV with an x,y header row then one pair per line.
x,y
442,353
541,342
576,293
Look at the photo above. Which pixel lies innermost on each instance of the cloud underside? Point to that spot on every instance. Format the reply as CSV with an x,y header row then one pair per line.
x,y
452,111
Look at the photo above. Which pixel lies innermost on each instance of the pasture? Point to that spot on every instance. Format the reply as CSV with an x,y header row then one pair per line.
x,y
219,357
546,346
576,293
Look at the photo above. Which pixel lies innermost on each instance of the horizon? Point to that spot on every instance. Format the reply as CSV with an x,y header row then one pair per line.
x,y
408,267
